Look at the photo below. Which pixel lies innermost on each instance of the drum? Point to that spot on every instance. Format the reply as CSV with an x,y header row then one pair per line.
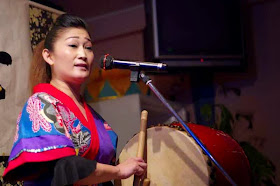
x,y
174,158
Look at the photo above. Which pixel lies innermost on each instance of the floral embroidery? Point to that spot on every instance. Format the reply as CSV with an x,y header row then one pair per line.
x,y
67,116
17,127
81,140
73,128
34,108
49,98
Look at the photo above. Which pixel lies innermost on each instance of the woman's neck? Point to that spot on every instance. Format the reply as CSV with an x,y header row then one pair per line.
x,y
72,90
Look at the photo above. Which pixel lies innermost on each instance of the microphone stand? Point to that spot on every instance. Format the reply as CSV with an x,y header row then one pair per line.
x,y
135,70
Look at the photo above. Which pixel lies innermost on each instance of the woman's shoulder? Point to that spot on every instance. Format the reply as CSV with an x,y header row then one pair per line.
x,y
42,97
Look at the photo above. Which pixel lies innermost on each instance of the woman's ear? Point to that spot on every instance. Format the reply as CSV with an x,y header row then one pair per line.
x,y
47,56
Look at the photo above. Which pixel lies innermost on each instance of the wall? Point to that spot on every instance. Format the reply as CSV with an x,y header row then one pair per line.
x,y
122,41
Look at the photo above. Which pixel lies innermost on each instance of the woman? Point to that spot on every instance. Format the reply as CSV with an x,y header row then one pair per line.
x,y
60,140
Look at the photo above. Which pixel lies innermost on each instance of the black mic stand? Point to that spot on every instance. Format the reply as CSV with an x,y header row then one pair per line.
x,y
135,75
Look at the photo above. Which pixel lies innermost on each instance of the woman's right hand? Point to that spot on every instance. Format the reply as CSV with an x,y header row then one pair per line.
x,y
131,166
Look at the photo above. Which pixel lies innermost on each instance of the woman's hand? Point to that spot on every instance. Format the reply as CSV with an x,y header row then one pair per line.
x,y
131,166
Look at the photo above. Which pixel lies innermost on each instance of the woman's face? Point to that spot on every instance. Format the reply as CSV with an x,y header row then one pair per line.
x,y
72,56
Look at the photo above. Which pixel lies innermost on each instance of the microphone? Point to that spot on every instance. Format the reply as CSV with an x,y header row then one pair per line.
x,y
107,62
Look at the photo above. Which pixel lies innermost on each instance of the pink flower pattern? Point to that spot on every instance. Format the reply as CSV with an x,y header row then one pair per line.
x,y
68,118
17,127
38,121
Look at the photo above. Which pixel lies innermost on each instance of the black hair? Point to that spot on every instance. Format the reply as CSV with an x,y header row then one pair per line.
x,y
63,22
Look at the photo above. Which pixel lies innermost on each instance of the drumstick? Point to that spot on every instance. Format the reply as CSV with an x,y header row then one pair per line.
x,y
146,182
141,141
142,134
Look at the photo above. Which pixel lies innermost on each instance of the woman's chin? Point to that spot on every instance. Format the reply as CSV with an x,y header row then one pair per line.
x,y
79,79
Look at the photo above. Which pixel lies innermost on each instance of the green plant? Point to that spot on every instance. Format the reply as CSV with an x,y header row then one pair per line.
x,y
263,170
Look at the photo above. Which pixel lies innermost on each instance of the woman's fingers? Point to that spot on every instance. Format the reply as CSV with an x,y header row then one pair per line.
x,y
138,159
132,166
141,167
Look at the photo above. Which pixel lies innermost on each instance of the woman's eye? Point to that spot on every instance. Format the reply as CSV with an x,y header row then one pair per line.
x,y
89,48
73,46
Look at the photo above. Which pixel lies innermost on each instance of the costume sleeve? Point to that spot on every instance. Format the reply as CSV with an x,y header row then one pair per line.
x,y
40,137
70,169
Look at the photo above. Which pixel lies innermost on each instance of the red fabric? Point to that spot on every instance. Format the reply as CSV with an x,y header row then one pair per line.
x,y
29,157
91,153
68,102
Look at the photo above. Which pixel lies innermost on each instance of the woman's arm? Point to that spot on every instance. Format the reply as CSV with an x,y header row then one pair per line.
x,y
104,172
78,170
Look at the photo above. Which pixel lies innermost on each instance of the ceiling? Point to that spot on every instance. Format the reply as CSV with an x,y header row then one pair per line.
x,y
91,8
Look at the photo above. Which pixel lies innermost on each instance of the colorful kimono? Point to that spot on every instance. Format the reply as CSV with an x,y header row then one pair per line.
x,y
51,127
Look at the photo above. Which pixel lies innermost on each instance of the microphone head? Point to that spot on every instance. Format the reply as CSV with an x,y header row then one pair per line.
x,y
106,62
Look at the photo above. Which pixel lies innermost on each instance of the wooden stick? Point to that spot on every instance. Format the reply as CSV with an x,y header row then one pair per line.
x,y
142,134
141,142
146,182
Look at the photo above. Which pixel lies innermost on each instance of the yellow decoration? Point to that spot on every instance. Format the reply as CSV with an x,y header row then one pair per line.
x,y
95,84
118,79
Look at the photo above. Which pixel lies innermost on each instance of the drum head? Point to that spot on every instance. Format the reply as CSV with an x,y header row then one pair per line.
x,y
173,158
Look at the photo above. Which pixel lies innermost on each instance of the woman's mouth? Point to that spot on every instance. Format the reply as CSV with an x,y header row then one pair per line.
x,y
82,65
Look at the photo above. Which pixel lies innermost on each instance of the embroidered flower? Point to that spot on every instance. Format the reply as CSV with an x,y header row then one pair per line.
x,y
38,121
17,127
67,116
49,98
81,141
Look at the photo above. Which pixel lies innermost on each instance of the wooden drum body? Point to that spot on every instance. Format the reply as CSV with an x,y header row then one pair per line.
x,y
174,158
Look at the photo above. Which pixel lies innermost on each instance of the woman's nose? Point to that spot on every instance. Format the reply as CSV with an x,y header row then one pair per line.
x,y
82,53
